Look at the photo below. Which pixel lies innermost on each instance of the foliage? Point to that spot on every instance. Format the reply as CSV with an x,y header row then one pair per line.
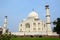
x,y
5,37
57,24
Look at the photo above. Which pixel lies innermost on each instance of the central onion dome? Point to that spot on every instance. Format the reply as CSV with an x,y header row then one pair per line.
x,y
33,14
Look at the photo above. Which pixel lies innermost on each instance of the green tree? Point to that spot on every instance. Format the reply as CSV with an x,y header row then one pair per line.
x,y
57,26
5,37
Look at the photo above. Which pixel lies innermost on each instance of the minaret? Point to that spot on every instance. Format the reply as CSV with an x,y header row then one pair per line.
x,y
48,24
5,25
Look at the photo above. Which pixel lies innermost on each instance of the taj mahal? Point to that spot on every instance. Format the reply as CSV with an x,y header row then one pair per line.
x,y
33,25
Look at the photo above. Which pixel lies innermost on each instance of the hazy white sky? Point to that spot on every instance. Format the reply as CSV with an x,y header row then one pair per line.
x,y
16,10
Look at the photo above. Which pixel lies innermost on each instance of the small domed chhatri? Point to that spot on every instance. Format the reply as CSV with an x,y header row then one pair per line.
x,y
33,14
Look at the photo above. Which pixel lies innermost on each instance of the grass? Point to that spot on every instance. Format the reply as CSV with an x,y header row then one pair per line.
x,y
33,38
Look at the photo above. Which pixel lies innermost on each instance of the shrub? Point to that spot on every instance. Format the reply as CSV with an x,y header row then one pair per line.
x,y
5,37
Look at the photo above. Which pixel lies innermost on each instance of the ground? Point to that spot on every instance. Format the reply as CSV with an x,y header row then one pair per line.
x,y
33,38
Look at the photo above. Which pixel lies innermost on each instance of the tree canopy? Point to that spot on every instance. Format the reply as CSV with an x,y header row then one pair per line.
x,y
57,26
